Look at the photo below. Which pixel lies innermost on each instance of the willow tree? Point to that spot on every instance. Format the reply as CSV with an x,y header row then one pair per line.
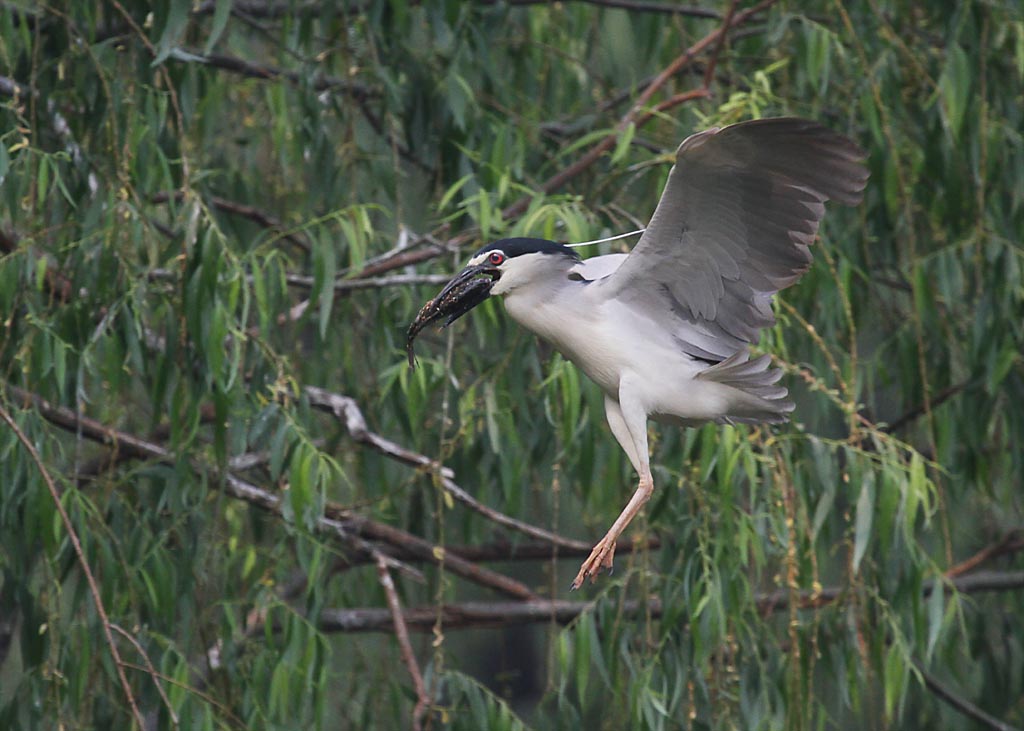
x,y
225,501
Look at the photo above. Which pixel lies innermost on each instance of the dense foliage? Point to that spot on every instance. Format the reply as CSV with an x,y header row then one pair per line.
x,y
217,219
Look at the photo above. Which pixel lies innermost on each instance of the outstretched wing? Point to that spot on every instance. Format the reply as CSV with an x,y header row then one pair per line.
x,y
734,225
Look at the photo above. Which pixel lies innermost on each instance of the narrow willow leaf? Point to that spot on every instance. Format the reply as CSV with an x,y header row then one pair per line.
x,y
865,513
330,268
174,27
936,615
955,88
221,14
623,143
895,673
583,638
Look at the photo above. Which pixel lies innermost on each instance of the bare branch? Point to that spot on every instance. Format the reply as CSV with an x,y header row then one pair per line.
x,y
945,693
426,551
301,281
402,635
709,72
919,411
349,285
1012,542
347,412
348,526
233,64
469,615
638,6
244,210
150,670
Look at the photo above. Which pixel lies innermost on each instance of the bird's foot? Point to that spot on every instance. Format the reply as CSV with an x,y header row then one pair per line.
x,y
601,557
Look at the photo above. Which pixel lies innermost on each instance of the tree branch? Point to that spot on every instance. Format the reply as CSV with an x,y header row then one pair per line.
x,y
129,444
235,65
345,524
405,647
469,615
346,410
1012,542
945,693
150,670
919,411
638,6
244,210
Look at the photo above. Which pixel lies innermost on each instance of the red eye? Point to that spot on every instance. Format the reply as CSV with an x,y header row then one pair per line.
x,y
496,258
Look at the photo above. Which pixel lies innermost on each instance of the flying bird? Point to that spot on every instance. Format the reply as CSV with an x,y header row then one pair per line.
x,y
665,330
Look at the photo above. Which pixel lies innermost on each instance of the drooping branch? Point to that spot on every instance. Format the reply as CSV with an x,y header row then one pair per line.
x,y
94,590
139,448
1010,543
364,535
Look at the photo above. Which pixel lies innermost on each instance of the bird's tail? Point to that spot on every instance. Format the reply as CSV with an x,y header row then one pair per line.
x,y
758,398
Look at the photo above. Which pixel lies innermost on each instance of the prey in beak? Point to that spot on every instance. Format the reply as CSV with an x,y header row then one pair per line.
x,y
465,291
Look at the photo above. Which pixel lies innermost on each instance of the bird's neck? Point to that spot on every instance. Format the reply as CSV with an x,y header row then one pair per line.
x,y
543,305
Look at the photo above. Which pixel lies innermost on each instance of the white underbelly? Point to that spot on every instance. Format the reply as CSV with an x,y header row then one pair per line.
x,y
607,348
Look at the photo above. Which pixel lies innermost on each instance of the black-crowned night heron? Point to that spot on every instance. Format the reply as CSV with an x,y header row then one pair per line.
x,y
665,330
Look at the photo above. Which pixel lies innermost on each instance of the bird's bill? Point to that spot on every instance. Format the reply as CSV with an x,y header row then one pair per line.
x,y
465,291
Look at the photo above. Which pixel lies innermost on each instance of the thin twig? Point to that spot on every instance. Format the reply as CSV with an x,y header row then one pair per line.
x,y
709,72
153,674
945,693
80,554
206,697
426,551
1010,543
300,281
348,285
635,6
240,66
919,411
402,635
254,214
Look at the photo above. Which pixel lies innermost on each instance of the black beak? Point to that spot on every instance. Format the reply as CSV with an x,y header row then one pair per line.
x,y
465,291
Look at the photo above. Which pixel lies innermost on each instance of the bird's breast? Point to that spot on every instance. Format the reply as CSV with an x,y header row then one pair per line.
x,y
604,341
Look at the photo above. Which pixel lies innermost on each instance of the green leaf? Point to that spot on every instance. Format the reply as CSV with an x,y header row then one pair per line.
x,y
328,274
221,14
955,89
895,674
625,139
936,616
173,29
865,513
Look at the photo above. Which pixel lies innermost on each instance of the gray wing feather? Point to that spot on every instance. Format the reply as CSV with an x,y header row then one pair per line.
x,y
598,267
734,226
